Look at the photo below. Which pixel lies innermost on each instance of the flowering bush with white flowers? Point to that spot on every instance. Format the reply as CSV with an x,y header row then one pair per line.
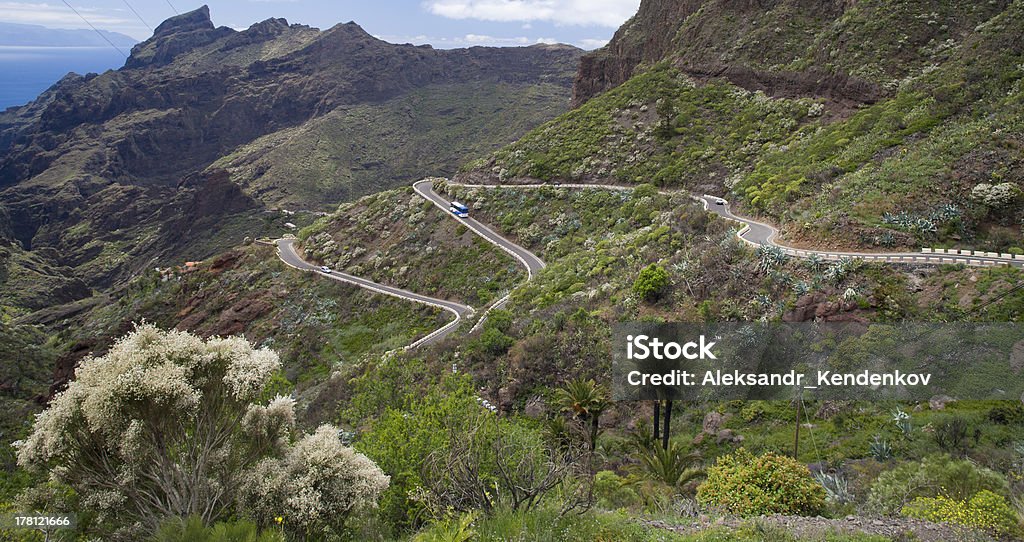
x,y
997,195
167,424
315,487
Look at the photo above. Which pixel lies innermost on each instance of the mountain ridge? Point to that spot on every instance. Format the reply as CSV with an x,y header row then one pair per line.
x,y
32,35
140,143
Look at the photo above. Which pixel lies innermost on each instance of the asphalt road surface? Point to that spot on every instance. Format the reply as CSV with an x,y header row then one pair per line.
x,y
759,233
532,263
286,251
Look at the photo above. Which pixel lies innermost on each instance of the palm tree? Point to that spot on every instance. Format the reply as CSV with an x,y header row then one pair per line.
x,y
668,424
671,465
584,400
662,424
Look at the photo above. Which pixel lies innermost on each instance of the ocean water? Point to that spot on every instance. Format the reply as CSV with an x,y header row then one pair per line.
x,y
28,71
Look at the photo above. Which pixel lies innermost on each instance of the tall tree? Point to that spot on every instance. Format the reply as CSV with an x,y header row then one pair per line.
x,y
585,400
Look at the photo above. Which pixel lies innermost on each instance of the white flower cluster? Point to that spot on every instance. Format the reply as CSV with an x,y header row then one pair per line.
x,y
486,404
145,408
996,196
272,424
316,485
248,369
146,373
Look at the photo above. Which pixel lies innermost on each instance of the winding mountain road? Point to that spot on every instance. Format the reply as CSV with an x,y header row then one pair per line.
x,y
753,232
533,264
530,261
286,251
760,234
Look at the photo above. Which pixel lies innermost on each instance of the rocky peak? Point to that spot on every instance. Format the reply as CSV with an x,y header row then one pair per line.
x,y
174,36
198,19
270,26
350,31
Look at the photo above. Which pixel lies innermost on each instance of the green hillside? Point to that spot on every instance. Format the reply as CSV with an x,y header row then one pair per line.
x,y
362,149
924,162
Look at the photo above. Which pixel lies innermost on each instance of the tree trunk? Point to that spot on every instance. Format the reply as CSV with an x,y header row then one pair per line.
x,y
796,438
668,424
657,419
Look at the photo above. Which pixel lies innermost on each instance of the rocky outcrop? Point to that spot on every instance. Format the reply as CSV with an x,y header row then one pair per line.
x,y
174,36
647,37
818,307
690,33
787,83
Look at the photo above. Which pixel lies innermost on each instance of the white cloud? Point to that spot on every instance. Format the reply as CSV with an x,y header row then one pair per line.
x,y
53,15
589,43
468,40
607,13
480,38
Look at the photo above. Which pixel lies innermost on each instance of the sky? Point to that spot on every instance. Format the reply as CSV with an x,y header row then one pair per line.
x,y
442,23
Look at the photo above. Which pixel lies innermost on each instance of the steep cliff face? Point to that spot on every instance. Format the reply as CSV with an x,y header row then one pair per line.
x,y
103,167
842,49
647,37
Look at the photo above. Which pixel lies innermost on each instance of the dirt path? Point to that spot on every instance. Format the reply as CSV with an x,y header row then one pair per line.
x,y
804,527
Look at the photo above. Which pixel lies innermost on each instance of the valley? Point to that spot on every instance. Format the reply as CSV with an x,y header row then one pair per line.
x,y
230,274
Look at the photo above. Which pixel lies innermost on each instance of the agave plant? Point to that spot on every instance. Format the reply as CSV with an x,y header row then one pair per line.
x,y
813,262
771,258
880,450
837,487
902,421
838,271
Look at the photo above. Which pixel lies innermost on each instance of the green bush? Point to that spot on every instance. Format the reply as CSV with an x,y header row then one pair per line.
x,y
193,530
932,477
613,491
402,439
652,282
985,510
748,485
458,529
1007,413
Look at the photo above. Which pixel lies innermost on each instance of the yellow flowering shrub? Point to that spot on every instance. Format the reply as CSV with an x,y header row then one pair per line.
x,y
985,510
748,485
